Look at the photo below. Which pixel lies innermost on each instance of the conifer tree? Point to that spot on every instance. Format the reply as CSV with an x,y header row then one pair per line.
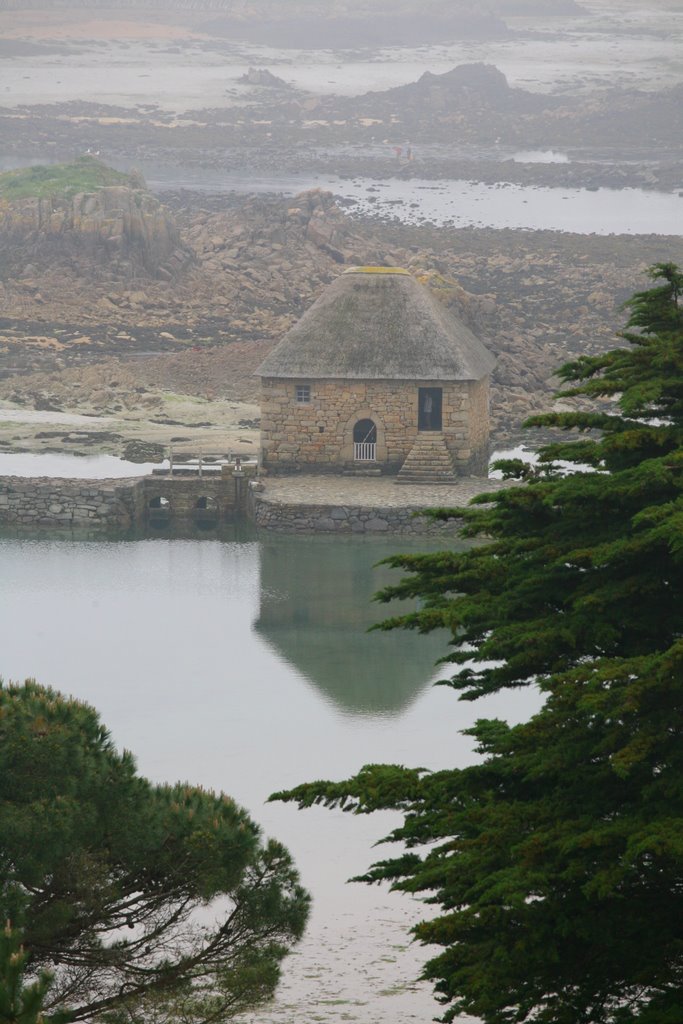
x,y
22,1002
146,902
557,861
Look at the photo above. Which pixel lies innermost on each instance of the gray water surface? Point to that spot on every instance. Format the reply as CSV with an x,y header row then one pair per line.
x,y
247,667
458,203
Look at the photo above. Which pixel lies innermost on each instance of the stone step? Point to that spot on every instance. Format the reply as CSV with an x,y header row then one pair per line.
x,y
413,471
431,449
429,459
429,481
429,453
428,462
427,470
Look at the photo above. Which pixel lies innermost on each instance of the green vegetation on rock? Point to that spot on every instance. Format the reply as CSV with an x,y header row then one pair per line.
x,y
62,180
557,860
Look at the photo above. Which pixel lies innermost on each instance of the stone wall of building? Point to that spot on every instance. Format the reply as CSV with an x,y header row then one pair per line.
x,y
466,425
345,519
320,432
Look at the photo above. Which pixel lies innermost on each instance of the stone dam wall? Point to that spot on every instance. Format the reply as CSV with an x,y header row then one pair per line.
x,y
191,502
51,502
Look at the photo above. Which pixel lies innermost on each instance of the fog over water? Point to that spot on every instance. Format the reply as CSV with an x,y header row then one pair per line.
x,y
195,78
456,203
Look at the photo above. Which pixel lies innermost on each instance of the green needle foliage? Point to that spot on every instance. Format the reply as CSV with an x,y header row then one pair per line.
x,y
556,863
146,902
22,1003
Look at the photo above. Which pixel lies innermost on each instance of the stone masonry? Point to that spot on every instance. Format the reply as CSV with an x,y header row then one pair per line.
x,y
27,502
53,502
328,504
320,432
341,519
376,352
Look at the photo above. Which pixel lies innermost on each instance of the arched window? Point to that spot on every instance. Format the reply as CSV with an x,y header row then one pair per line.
x,y
158,511
365,432
206,513
364,441
206,503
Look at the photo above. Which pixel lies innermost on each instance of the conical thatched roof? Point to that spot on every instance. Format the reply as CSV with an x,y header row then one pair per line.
x,y
378,323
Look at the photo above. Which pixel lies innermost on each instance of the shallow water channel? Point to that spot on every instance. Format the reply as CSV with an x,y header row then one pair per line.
x,y
458,203
246,666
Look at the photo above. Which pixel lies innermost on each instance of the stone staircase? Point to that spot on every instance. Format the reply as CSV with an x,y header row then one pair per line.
x,y
428,462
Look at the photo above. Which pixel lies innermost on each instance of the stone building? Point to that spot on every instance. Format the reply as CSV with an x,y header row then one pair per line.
x,y
377,375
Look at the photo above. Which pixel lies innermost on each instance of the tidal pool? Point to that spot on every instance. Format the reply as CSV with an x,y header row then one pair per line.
x,y
458,203
246,666
442,202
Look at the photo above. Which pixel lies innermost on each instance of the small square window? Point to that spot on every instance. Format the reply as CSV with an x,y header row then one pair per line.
x,y
303,392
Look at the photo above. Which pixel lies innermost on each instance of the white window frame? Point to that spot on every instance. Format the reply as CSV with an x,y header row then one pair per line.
x,y
302,394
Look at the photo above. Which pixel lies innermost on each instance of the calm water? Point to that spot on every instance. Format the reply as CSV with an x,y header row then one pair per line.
x,y
247,667
459,203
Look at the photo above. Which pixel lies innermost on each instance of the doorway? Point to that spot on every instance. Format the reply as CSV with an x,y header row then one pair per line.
x,y
429,405
364,441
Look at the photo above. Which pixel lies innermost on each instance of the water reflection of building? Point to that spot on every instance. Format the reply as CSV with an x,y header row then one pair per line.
x,y
316,607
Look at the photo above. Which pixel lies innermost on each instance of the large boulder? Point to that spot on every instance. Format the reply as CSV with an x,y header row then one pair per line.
x,y
116,225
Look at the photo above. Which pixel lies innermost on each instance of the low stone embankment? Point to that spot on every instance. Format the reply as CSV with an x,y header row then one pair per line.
x,y
296,504
340,519
332,504
53,502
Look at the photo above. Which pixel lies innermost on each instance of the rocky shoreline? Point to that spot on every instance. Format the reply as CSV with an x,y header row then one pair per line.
x,y
86,339
189,302
465,123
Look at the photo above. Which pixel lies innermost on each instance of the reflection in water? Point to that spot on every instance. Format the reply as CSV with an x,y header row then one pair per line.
x,y
316,607
158,635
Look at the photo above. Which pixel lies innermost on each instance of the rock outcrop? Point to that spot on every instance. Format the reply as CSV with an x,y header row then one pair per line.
x,y
263,77
126,227
468,90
